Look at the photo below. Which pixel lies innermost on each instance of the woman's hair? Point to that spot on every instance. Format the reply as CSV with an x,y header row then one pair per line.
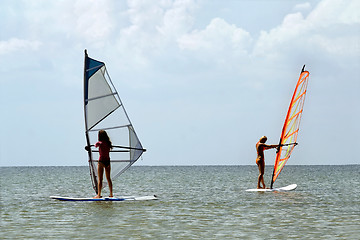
x,y
263,139
103,137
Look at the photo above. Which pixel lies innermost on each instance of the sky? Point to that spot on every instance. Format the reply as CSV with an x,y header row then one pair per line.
x,y
201,81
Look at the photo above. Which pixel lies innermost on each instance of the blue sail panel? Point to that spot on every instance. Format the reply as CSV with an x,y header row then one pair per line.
x,y
91,67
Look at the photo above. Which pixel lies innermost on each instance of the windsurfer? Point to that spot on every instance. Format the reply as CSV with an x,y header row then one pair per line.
x,y
104,145
260,160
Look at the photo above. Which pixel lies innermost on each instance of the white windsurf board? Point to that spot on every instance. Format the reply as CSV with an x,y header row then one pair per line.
x,y
282,189
124,198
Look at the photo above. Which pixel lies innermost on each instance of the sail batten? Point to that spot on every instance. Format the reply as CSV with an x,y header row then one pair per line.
x,y
290,129
104,110
96,98
107,128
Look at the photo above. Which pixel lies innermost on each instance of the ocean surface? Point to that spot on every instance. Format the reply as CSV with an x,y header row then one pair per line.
x,y
195,202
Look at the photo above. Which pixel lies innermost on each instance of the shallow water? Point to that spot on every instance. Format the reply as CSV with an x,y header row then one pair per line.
x,y
195,202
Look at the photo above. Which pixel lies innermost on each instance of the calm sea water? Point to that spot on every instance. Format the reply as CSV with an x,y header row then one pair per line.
x,y
197,202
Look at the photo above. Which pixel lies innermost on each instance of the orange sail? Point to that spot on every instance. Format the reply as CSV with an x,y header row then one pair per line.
x,y
291,126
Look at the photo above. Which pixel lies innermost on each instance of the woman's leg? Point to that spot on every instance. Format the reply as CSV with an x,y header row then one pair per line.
x,y
262,171
108,178
259,177
100,179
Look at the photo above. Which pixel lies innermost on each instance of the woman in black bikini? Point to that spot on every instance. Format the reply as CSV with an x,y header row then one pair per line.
x,y
104,145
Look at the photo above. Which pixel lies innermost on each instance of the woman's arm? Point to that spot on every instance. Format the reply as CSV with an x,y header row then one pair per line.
x,y
270,146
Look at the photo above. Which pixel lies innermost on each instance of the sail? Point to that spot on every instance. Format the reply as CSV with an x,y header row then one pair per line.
x,y
104,110
291,125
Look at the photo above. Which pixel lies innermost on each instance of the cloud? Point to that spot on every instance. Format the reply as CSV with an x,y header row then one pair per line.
x,y
93,20
15,44
317,33
328,30
218,35
302,6
178,19
164,17
270,43
329,12
153,29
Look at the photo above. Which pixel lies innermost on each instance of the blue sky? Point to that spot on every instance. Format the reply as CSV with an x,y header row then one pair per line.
x,y
202,81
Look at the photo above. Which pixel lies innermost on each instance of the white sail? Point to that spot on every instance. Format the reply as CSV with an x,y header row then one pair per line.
x,y
104,111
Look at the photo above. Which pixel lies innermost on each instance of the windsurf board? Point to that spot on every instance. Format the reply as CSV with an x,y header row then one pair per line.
x,y
124,198
282,189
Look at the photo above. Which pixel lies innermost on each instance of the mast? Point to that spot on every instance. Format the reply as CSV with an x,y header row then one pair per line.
x,y
91,166
277,150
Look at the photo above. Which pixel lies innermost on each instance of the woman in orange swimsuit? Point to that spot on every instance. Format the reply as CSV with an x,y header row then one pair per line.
x,y
260,160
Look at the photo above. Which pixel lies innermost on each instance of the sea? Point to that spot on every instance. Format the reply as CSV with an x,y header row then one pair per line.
x,y
195,202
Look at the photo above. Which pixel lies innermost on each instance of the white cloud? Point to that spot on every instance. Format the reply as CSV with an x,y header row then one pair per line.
x,y
178,19
145,15
318,32
338,46
218,35
270,42
302,6
330,12
153,29
15,44
93,19
159,21
54,23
